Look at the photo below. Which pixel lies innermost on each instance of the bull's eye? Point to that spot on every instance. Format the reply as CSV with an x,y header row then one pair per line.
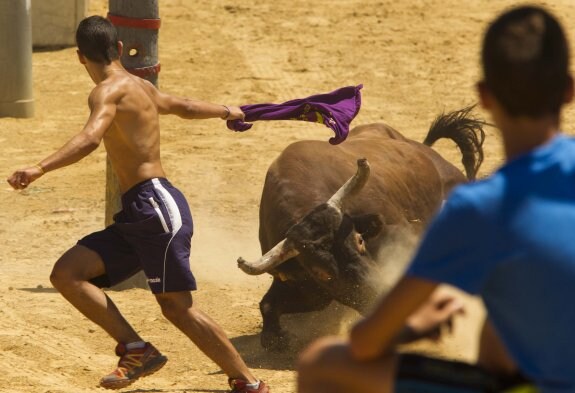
x,y
360,244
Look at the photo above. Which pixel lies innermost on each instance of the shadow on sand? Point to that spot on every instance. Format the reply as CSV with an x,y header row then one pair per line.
x,y
181,390
303,329
39,290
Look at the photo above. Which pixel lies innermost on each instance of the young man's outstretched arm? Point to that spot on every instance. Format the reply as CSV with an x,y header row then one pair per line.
x,y
187,108
102,111
366,362
379,332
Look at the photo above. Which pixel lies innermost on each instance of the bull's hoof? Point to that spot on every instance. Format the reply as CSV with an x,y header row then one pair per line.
x,y
275,341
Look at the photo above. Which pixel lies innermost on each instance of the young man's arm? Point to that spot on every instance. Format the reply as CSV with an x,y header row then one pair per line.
x,y
378,333
191,109
103,110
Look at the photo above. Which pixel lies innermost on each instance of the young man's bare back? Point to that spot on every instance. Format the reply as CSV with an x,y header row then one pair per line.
x,y
129,100
153,230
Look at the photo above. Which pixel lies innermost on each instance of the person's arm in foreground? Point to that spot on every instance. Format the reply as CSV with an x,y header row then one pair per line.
x,y
187,108
411,304
103,110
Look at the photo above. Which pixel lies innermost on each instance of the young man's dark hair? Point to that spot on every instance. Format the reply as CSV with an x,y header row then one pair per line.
x,y
525,61
97,39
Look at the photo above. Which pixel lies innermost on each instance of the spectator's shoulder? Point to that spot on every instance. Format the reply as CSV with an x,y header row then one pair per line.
x,y
475,199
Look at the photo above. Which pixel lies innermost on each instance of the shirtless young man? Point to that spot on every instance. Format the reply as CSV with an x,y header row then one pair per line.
x,y
154,229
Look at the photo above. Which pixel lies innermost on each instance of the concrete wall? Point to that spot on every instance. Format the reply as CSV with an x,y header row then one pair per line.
x,y
54,22
16,91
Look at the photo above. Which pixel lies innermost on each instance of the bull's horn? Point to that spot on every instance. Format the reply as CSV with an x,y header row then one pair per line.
x,y
274,257
352,186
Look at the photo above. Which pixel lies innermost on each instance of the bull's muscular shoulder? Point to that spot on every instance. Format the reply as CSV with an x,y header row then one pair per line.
x,y
369,141
376,130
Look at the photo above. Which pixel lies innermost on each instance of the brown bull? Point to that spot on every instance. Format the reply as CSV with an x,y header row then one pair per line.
x,y
320,251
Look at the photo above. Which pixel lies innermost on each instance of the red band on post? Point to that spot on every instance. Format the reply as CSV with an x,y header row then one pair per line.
x,y
144,72
139,23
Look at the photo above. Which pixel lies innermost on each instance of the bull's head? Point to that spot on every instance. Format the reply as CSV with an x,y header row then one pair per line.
x,y
326,240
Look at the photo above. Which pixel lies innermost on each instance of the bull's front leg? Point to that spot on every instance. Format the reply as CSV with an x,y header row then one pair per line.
x,y
286,297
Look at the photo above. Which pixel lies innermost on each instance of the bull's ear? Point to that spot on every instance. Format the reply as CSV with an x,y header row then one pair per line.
x,y
369,225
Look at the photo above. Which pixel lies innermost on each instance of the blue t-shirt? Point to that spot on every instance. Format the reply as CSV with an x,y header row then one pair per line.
x,y
511,239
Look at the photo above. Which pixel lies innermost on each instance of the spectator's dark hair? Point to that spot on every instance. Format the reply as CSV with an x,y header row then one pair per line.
x,y
97,39
526,62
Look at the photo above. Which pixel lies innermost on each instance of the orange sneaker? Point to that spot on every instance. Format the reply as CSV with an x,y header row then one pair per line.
x,y
133,364
240,386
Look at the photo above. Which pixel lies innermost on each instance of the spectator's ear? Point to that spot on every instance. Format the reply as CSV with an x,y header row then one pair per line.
x,y
569,90
120,48
81,57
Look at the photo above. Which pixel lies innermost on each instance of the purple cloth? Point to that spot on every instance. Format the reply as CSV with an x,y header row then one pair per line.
x,y
336,110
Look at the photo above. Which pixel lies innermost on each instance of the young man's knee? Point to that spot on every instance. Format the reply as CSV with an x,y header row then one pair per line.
x,y
77,264
63,273
174,304
59,277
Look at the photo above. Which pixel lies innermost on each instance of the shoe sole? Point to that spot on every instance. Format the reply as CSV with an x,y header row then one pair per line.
x,y
154,366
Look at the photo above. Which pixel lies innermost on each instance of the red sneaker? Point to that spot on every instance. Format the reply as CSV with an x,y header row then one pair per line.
x,y
239,386
133,364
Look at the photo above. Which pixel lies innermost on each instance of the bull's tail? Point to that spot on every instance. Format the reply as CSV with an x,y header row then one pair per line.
x,y
466,131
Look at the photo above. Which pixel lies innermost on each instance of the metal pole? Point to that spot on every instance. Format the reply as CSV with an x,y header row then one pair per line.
x,y
138,23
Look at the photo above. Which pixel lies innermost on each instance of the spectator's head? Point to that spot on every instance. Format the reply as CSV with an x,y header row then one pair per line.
x,y
97,40
525,60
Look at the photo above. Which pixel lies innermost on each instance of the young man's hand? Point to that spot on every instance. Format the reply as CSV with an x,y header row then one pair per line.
x,y
433,316
235,113
23,177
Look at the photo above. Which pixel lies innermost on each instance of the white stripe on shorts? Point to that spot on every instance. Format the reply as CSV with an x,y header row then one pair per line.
x,y
175,219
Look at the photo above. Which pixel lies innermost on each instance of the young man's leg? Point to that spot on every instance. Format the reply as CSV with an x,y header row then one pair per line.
x,y
206,334
71,275
327,367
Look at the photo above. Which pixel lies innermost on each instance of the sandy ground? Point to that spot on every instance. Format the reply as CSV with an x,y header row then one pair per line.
x,y
416,59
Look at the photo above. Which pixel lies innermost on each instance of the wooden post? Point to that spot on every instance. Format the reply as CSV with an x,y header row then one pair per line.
x,y
16,90
138,23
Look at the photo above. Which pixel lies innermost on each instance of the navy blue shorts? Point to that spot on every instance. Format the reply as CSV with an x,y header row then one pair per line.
x,y
152,233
